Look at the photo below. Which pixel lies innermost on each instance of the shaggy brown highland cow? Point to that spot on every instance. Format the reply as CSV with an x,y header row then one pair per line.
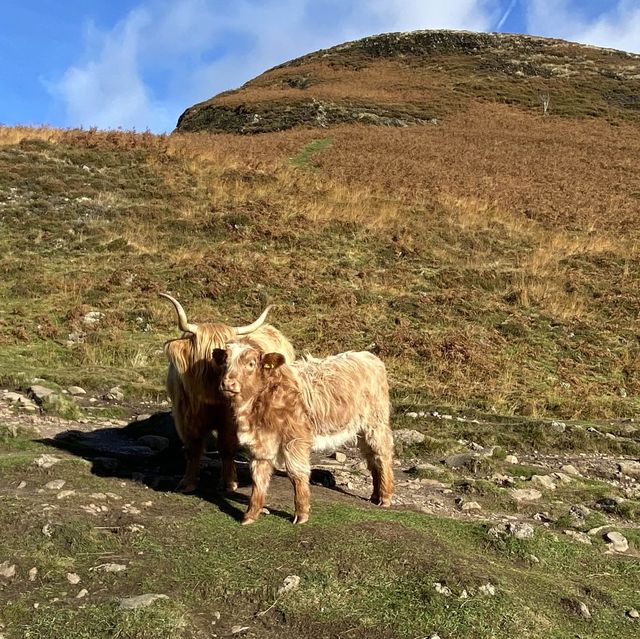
x,y
193,384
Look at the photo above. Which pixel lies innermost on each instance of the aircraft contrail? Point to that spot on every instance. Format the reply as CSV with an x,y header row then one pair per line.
x,y
506,14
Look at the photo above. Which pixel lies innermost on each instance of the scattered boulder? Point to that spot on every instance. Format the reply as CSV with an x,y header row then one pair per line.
x,y
630,468
511,459
468,461
63,494
519,530
582,537
632,613
411,415
73,578
46,461
92,318
40,394
526,494
111,568
83,593
291,582
487,589
570,469
442,589
33,573
115,394
341,458
543,480
55,484
76,390
141,601
408,436
617,541
584,610
558,427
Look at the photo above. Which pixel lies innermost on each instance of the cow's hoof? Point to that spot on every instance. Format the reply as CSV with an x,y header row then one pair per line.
x,y
231,487
247,520
186,488
301,519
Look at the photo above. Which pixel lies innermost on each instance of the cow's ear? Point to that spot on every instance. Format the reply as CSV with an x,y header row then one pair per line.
x,y
219,356
271,361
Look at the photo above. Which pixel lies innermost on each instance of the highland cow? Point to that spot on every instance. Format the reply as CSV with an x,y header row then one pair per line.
x,y
193,384
284,411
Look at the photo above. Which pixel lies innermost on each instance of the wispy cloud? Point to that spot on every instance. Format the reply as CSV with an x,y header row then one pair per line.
x,y
163,56
617,27
505,16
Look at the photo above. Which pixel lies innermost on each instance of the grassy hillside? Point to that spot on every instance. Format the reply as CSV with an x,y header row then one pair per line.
x,y
399,79
492,261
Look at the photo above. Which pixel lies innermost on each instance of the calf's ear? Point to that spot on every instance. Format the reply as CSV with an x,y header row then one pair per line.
x,y
219,356
272,361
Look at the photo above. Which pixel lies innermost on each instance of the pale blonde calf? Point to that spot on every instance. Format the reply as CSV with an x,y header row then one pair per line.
x,y
284,411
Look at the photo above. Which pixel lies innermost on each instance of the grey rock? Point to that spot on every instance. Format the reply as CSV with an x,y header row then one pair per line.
x,y
46,461
558,427
111,568
340,457
617,541
92,318
83,593
544,481
55,484
73,578
141,601
469,461
487,589
33,573
631,468
7,570
525,494
411,415
519,530
114,394
408,436
632,613
76,390
583,538
468,506
511,459
41,393
584,610
154,442
63,494
442,589
562,478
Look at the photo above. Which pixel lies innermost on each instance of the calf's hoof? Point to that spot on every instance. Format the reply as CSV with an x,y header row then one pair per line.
x,y
248,520
231,487
301,519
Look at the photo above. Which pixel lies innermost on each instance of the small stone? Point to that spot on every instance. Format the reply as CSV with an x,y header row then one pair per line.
x,y
21,485
525,494
533,559
92,318
291,582
618,542
558,427
584,610
83,593
470,505
73,578
583,538
442,590
543,480
55,484
76,390
511,459
468,461
340,457
570,469
141,601
408,436
33,572
40,393
632,613
7,570
236,630
111,568
63,494
216,615
487,589
47,530
519,530
46,461
411,415
135,528
115,394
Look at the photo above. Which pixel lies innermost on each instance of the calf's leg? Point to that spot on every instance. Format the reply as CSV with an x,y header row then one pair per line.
x,y
261,471
298,466
377,447
228,446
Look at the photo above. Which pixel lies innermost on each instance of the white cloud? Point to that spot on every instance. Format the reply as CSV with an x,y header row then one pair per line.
x,y
617,28
163,56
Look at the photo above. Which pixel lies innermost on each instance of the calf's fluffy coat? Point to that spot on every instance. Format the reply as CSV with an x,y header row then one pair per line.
x,y
284,411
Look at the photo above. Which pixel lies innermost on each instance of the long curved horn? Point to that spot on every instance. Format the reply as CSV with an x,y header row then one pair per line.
x,y
249,328
182,316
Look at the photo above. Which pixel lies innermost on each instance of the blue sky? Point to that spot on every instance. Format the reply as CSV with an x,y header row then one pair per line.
x,y
139,64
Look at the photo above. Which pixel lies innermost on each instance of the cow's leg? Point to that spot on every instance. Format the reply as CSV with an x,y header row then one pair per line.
x,y
296,461
261,471
194,449
377,448
228,447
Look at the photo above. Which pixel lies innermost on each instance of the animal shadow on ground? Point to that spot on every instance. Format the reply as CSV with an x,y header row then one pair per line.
x,y
149,451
